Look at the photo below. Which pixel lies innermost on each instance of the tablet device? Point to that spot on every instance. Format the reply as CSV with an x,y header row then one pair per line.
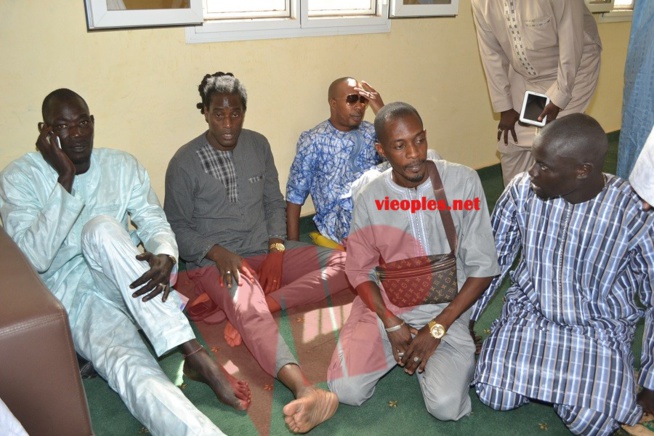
x,y
532,106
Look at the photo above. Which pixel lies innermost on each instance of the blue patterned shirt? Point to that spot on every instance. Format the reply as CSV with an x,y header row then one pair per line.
x,y
327,162
568,322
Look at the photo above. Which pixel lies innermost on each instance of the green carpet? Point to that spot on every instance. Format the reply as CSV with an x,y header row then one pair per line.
x,y
396,408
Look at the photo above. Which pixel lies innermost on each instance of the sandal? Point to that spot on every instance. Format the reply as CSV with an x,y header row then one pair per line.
x,y
200,307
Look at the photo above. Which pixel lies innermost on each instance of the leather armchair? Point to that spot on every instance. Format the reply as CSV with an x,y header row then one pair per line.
x,y
39,375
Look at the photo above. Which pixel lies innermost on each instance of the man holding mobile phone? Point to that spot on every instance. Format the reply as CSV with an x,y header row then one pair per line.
x,y
545,46
68,207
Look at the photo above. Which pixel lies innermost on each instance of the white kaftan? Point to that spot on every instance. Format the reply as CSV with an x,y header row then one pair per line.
x,y
79,245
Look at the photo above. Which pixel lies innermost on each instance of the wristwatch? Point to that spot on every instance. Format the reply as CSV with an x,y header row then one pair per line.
x,y
277,246
437,330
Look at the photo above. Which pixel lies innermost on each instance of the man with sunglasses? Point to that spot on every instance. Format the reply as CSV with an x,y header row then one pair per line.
x,y
330,157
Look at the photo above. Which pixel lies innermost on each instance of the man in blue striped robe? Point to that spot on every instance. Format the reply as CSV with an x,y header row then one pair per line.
x,y
567,325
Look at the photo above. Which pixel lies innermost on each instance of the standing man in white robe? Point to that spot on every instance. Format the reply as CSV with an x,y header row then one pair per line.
x,y
547,46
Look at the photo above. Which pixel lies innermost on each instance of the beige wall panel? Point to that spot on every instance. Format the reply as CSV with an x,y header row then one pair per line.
x,y
141,84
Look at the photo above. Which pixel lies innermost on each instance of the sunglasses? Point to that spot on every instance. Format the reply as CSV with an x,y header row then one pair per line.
x,y
354,98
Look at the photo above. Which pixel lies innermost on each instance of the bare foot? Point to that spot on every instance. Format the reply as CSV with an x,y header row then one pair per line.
x,y
273,306
232,336
203,368
311,408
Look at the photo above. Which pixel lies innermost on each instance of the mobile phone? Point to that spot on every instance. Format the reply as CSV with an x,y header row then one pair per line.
x,y
58,142
532,106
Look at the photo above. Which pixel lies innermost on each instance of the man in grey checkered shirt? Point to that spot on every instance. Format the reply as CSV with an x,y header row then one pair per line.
x,y
229,216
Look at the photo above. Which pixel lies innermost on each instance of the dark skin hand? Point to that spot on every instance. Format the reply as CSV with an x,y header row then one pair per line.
x,y
551,111
46,144
400,341
646,400
507,124
230,266
270,271
423,344
372,95
510,117
156,280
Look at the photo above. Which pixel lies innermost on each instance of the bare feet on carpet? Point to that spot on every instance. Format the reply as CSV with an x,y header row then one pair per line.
x,y
311,408
232,336
203,368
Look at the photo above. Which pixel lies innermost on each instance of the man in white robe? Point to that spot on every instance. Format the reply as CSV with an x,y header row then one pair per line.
x,y
547,46
67,207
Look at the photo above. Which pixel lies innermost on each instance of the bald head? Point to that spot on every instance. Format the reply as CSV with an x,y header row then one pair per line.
x,y
569,154
336,85
55,98
576,136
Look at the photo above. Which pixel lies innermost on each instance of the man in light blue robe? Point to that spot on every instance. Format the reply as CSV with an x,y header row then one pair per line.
x,y
67,208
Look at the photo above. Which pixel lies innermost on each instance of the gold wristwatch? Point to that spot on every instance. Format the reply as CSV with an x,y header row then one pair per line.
x,y
437,330
277,246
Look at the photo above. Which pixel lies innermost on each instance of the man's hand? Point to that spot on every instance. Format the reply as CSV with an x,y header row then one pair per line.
x,y
646,400
47,145
230,266
419,351
399,339
551,111
371,94
157,279
270,271
507,124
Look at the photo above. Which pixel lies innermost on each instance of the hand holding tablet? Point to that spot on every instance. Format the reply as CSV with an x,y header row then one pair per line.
x,y
532,106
